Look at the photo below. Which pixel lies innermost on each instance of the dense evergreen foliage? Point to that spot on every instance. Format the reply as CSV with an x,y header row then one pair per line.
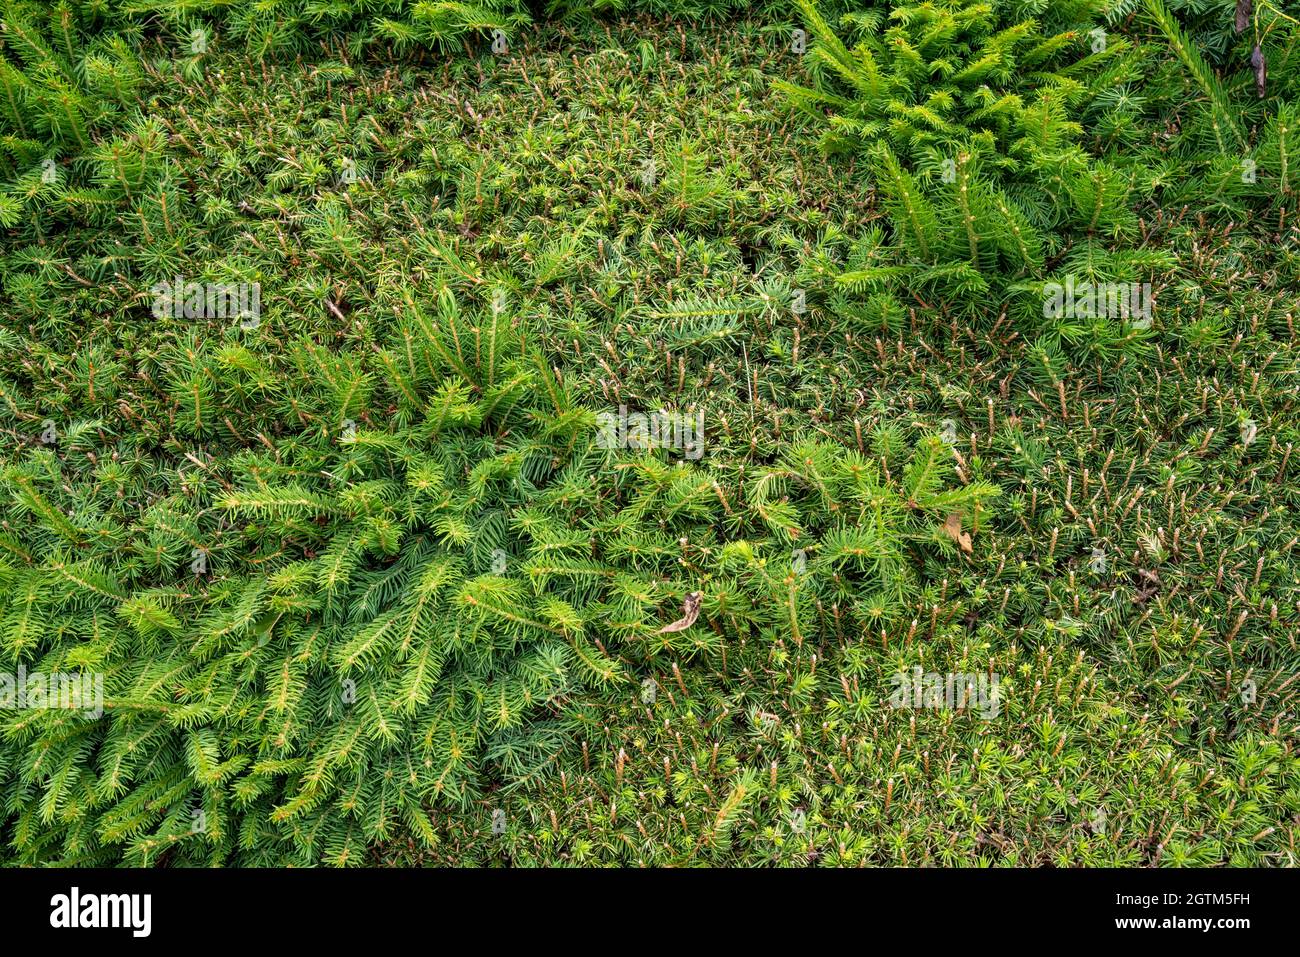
x,y
364,582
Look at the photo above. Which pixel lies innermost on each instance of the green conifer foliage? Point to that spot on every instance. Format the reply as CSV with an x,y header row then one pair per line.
x,y
385,607
972,118
359,576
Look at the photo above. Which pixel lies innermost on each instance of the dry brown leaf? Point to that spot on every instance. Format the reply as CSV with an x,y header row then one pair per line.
x,y
952,525
1260,66
690,611
1245,9
1148,588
